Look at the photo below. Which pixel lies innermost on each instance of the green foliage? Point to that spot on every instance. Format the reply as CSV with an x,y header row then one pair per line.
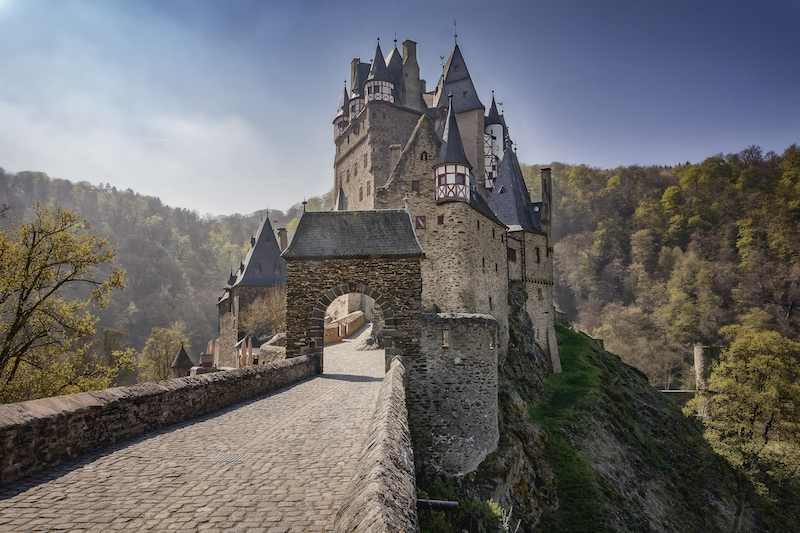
x,y
176,260
48,281
684,251
155,363
471,516
752,411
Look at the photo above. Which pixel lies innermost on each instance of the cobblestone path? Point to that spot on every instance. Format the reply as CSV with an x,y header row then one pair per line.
x,y
274,464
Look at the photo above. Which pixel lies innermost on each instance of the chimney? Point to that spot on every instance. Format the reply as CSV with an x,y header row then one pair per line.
x,y
282,238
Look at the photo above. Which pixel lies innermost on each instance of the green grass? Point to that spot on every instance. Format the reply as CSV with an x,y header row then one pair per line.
x,y
568,396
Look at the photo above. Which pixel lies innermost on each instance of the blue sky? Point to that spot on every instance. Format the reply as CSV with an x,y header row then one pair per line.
x,y
226,106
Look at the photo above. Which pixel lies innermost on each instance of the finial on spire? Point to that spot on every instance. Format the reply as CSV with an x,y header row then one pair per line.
x,y
455,31
395,38
304,205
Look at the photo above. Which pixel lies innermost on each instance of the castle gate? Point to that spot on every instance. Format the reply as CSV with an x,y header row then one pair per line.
x,y
375,253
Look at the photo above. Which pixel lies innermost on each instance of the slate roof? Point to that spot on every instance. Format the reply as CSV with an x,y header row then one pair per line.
x,y
344,105
378,70
510,199
351,234
494,116
263,265
362,72
456,80
182,360
452,147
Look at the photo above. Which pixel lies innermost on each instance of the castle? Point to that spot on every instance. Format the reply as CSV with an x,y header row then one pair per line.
x,y
432,226
439,155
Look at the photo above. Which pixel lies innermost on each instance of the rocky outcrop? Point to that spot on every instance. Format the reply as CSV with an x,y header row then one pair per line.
x,y
516,474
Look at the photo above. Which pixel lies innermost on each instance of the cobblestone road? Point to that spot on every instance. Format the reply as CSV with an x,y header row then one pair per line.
x,y
275,464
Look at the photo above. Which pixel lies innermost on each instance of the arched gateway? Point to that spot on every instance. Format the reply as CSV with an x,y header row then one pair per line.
x,y
375,253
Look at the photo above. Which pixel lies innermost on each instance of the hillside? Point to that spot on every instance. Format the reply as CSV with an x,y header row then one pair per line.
x,y
597,448
176,260
656,259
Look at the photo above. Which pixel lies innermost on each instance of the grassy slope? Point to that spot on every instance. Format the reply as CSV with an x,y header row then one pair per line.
x,y
625,457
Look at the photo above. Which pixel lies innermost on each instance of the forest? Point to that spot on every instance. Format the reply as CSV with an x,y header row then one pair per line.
x,y
652,260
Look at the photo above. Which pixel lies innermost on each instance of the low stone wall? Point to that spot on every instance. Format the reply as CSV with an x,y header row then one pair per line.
x,y
37,434
381,496
343,327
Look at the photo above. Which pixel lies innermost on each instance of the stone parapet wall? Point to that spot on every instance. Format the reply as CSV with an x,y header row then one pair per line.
x,y
381,496
37,434
344,327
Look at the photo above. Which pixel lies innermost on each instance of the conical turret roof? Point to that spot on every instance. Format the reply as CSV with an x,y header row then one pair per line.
x,y
494,116
510,199
456,81
452,146
344,104
182,360
378,71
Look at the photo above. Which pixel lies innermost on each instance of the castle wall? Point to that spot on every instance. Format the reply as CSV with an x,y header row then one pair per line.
x,y
538,278
464,270
451,391
41,433
362,152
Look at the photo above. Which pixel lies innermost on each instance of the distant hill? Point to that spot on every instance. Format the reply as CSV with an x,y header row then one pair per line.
x,y
176,261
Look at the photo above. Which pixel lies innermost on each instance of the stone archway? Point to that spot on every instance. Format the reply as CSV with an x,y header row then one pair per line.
x,y
394,284
375,253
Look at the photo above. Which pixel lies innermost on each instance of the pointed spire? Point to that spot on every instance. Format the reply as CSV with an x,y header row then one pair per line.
x,y
452,146
344,103
456,80
494,116
378,70
510,199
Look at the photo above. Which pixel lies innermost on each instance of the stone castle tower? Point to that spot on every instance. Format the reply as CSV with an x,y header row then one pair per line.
x,y
453,169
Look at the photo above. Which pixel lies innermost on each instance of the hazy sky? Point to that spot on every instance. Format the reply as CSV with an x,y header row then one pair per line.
x,y
227,106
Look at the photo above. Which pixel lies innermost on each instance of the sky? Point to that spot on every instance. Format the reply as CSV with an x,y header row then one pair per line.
x,y
227,106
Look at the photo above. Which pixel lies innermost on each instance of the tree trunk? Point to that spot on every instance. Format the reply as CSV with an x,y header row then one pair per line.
x,y
737,523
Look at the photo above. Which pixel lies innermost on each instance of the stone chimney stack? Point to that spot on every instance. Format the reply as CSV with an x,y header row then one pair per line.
x,y
282,239
546,217
412,86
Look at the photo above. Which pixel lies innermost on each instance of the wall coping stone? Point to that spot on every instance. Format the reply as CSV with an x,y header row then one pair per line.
x,y
41,433
381,496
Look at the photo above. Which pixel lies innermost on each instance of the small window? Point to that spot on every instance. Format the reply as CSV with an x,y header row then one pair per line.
x,y
512,255
465,94
365,160
440,220
348,175
445,339
490,303
483,262
258,269
536,256
360,193
384,115
420,222
495,267
479,224
502,190
492,233
368,192
540,293
355,170
374,115
502,240
277,270
415,185
423,156
459,179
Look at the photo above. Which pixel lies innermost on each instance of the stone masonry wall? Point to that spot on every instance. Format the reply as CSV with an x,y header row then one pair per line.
x,y
37,434
394,283
465,256
381,496
452,393
363,152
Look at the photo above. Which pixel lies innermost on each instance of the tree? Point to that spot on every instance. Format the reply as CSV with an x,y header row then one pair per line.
x,y
266,315
159,352
48,280
753,412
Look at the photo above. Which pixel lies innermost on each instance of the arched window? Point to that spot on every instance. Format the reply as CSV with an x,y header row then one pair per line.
x,y
423,156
